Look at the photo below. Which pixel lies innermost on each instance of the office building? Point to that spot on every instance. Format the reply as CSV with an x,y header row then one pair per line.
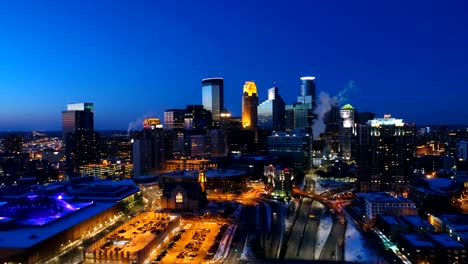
x,y
197,118
293,148
331,135
80,140
385,154
377,203
347,131
174,119
213,97
271,113
249,106
148,148
303,110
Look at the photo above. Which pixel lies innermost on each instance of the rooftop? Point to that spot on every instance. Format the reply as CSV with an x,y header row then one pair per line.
x,y
416,221
390,219
24,237
444,240
382,197
347,107
416,240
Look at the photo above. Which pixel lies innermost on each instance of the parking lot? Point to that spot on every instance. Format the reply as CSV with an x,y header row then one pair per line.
x,y
195,244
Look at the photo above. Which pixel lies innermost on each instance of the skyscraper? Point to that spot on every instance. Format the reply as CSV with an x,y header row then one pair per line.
x,y
213,97
271,113
305,111
174,119
301,114
249,106
385,155
148,148
80,140
347,131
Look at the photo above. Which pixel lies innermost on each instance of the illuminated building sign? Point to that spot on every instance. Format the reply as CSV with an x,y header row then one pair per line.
x,y
152,123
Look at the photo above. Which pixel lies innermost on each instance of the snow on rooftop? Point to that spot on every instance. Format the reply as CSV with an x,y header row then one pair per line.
x,y
444,240
439,183
382,197
417,241
415,220
392,220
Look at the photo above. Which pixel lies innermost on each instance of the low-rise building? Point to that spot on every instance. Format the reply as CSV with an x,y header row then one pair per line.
x,y
376,203
417,249
416,224
448,249
390,225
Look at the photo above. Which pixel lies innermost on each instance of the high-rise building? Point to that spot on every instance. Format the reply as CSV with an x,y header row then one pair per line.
x,y
300,115
292,147
174,119
80,140
78,117
385,155
304,113
213,97
347,131
197,118
331,135
271,113
148,148
249,106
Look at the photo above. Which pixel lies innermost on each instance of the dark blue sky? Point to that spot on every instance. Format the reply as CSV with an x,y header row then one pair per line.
x,y
131,58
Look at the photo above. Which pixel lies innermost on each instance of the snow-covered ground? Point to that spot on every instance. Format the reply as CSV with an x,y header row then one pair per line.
x,y
356,249
247,252
324,230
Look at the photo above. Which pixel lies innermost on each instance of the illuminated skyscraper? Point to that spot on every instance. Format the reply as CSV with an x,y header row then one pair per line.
x,y
301,114
347,131
249,106
213,97
80,140
385,154
271,113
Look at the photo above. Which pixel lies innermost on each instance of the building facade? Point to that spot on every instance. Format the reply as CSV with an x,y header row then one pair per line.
x,y
148,148
249,106
347,131
213,97
386,152
271,113
80,141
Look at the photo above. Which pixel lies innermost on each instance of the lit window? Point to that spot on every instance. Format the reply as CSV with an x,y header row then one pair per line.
x,y
179,198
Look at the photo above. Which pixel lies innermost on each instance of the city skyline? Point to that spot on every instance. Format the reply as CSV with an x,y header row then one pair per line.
x,y
131,60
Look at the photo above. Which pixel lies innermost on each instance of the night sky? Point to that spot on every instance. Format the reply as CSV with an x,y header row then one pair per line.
x,y
136,58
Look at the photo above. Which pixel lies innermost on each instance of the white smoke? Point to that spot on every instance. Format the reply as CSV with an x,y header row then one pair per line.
x,y
348,88
325,103
138,123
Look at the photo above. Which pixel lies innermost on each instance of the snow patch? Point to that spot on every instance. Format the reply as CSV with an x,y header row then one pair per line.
x,y
324,230
356,249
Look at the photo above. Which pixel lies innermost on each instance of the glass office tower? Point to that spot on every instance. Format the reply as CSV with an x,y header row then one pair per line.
x,y
213,97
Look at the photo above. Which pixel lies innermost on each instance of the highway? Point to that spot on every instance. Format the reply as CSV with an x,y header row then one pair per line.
x,y
333,248
247,226
309,241
297,233
274,237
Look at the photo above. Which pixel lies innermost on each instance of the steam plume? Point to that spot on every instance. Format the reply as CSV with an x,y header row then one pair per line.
x,y
138,123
